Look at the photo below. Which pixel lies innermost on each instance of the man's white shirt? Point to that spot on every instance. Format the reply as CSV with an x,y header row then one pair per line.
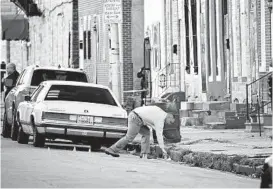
x,y
153,117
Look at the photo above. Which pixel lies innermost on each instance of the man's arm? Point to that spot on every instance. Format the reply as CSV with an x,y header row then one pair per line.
x,y
159,133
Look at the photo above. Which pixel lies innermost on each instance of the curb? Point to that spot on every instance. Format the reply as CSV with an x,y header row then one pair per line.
x,y
236,164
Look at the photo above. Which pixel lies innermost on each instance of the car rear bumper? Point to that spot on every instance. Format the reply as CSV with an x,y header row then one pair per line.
x,y
99,131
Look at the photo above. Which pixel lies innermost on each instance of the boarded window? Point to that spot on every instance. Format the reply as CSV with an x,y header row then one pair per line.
x,y
89,44
84,44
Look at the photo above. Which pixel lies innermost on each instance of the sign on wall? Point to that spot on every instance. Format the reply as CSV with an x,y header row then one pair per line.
x,y
112,11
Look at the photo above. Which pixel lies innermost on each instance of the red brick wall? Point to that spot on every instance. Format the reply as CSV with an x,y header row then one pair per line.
x,y
92,7
127,47
268,40
75,34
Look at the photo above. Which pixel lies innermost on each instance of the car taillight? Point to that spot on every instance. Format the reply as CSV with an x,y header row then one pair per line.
x,y
43,115
115,121
55,116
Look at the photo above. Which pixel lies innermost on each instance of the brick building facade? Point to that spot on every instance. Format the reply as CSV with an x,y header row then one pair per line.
x,y
72,33
95,42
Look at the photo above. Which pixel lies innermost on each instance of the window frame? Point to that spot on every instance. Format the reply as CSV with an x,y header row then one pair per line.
x,y
27,75
84,45
36,93
20,77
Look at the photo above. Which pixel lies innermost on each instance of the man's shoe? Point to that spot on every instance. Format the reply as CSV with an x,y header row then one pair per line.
x,y
111,152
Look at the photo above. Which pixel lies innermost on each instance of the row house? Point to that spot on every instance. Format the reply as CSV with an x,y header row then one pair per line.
x,y
74,33
50,23
210,49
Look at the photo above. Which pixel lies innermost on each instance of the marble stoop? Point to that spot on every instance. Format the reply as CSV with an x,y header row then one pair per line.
x,y
213,113
191,121
253,127
215,125
268,131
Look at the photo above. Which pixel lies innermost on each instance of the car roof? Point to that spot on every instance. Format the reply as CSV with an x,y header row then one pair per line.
x,y
73,83
55,68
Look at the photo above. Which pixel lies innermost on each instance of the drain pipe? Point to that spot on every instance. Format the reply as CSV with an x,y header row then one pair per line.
x,y
259,117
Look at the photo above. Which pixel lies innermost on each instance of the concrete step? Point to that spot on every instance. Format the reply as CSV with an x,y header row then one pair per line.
x,y
185,113
217,105
239,108
215,125
190,121
253,127
268,131
235,122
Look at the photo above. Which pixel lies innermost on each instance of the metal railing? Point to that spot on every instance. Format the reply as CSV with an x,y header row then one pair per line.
x,y
172,72
258,100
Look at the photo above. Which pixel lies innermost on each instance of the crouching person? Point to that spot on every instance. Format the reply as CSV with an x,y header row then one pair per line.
x,y
139,121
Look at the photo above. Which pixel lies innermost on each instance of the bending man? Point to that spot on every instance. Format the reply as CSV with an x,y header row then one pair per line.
x,y
138,120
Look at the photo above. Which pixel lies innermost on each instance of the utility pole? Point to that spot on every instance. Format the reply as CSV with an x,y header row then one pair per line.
x,y
115,65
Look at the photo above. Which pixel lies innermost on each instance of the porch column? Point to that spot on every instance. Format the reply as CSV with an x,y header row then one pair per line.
x,y
245,59
212,39
220,40
182,43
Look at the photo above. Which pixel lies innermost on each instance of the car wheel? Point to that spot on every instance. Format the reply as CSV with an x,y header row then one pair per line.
x,y
22,137
95,146
38,139
6,127
14,128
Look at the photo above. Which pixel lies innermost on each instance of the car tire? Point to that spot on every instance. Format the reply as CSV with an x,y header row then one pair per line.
x,y
14,128
22,137
38,139
6,127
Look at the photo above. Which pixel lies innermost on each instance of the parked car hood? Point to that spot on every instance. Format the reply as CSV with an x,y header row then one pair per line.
x,y
83,108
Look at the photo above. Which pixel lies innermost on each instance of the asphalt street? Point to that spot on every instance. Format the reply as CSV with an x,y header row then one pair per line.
x,y
23,166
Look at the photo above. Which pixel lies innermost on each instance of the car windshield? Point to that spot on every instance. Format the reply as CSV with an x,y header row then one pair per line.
x,y
43,75
80,94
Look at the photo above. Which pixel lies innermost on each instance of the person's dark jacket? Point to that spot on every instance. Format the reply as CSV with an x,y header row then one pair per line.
x,y
266,177
10,82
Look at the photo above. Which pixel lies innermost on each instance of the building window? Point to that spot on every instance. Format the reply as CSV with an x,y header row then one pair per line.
x,y
84,44
89,44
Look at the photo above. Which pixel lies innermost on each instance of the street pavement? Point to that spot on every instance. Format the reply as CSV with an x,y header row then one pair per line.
x,y
23,166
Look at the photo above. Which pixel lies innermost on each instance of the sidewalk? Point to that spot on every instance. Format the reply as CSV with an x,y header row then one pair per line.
x,y
233,151
229,142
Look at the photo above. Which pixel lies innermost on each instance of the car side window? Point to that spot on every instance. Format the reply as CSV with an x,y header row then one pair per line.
x,y
36,93
19,81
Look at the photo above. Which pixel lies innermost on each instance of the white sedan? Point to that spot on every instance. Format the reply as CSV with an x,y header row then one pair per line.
x,y
76,111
